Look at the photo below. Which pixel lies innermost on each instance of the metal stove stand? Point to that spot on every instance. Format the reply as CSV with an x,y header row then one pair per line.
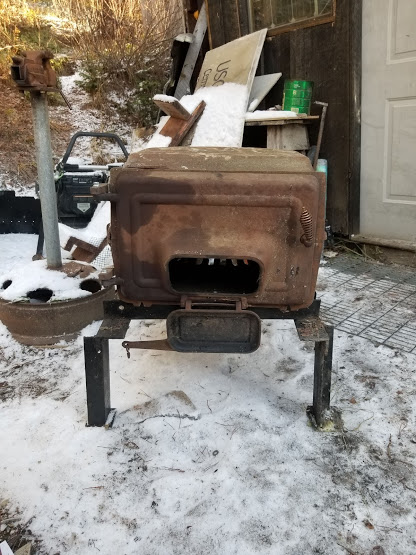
x,y
117,318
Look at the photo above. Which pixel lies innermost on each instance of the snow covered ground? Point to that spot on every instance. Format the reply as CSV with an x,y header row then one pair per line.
x,y
83,117
209,454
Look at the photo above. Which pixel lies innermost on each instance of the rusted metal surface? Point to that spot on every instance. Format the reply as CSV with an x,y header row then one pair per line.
x,y
307,225
32,71
173,208
154,344
206,331
117,318
215,159
74,268
214,331
49,323
311,329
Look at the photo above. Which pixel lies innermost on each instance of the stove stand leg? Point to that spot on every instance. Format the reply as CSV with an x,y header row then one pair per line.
x,y
322,379
97,376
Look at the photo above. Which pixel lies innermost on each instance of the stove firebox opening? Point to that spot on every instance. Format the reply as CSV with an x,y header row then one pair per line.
x,y
236,276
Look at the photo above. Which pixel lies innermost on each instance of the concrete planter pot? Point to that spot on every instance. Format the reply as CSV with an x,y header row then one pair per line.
x,y
49,323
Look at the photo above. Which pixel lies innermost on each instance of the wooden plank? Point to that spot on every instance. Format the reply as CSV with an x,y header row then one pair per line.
x,y
288,137
323,54
281,121
274,137
177,129
227,21
231,20
243,17
183,86
216,31
311,22
85,252
330,43
173,108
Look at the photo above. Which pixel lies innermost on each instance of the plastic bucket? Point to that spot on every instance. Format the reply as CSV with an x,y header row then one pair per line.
x,y
297,96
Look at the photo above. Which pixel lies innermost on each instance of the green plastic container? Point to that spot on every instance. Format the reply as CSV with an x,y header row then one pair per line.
x,y
297,96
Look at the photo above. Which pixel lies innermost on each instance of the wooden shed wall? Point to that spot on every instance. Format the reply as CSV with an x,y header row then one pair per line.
x,y
329,55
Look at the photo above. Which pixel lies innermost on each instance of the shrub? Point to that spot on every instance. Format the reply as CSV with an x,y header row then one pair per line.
x,y
124,50
123,46
25,25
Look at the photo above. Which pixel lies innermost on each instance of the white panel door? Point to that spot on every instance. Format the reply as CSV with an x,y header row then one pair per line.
x,y
388,118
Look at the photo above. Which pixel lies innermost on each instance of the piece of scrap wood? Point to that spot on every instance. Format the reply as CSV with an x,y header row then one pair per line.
x,y
171,107
251,120
191,58
85,252
177,129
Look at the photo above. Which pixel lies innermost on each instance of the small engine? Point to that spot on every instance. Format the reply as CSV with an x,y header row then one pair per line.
x,y
73,182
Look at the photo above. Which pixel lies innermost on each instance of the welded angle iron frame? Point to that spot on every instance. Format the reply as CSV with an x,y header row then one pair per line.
x,y
117,318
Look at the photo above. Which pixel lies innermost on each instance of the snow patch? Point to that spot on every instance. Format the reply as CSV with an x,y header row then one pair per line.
x,y
94,232
269,115
165,98
35,275
221,123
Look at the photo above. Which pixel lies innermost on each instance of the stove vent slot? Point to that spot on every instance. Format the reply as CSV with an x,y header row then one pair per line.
x,y
235,276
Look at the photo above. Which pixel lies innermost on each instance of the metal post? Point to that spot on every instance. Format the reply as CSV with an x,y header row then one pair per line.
x,y
41,241
46,180
320,132
322,376
97,376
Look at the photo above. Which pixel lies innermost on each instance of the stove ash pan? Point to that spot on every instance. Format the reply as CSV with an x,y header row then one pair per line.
x,y
215,225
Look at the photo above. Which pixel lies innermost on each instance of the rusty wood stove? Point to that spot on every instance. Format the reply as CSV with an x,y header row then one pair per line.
x,y
213,240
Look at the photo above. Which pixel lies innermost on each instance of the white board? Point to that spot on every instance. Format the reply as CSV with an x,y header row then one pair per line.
x,y
262,84
234,62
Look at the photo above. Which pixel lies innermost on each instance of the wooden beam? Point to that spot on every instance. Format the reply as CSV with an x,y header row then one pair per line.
x,y
281,121
223,21
173,108
310,22
183,86
177,129
216,33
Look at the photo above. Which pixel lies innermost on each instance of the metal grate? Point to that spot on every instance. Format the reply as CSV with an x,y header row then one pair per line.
x,y
370,300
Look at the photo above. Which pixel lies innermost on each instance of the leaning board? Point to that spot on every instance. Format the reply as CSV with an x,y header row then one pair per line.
x,y
234,62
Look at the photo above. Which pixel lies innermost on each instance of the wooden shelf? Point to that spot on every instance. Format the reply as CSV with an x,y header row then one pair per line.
x,y
282,121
